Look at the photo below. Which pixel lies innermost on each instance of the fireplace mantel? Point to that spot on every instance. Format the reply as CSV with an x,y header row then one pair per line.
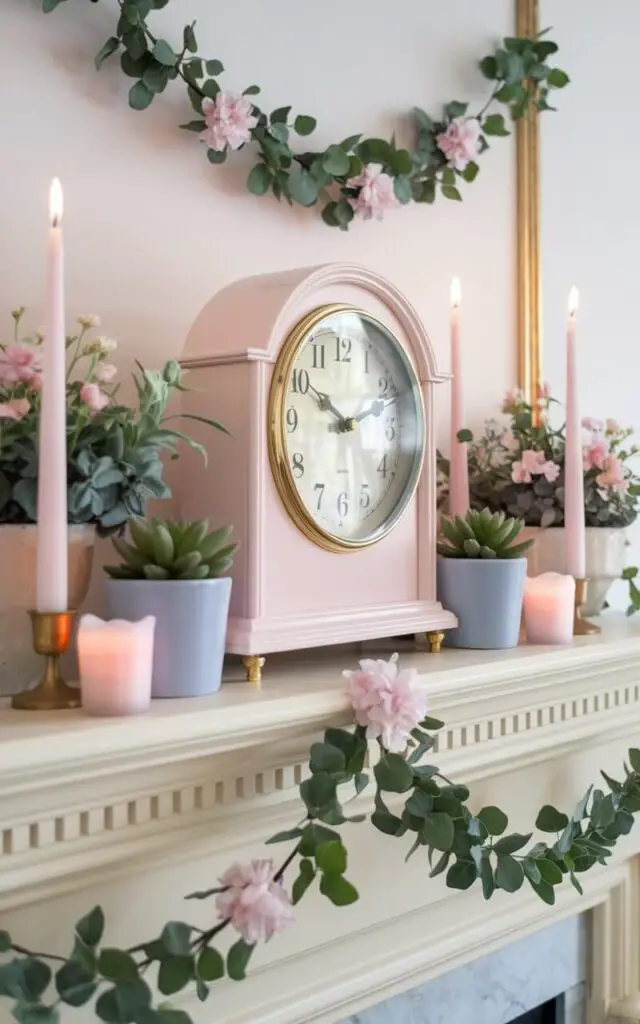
x,y
133,813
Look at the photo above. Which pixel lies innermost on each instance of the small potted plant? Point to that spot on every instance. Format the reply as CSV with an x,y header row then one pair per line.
x,y
175,571
481,573
517,467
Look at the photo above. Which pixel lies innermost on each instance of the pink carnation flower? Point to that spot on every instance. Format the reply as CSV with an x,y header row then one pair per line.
x,y
384,700
533,461
105,372
613,475
460,142
595,455
520,474
551,471
19,363
511,399
229,121
15,409
254,902
92,396
612,426
595,426
376,193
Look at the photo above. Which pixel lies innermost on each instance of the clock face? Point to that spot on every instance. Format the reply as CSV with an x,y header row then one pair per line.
x,y
348,430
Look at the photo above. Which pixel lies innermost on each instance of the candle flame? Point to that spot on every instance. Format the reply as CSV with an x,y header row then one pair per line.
x,y
56,203
456,292
573,301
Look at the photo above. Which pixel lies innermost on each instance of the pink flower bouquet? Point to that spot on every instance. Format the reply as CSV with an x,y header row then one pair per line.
x,y
518,468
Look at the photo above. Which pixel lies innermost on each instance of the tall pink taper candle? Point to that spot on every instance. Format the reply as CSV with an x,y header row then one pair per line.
x,y
573,468
51,574
458,470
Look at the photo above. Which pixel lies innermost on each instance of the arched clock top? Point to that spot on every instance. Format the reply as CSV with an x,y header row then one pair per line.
x,y
247,319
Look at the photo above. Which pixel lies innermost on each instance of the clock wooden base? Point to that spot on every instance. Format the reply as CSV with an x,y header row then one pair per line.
x,y
301,580
265,636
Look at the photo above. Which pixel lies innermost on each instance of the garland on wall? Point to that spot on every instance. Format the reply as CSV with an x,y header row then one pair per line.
x,y
358,177
251,900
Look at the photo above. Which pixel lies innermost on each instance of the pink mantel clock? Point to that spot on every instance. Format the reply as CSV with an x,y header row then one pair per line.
x,y
324,378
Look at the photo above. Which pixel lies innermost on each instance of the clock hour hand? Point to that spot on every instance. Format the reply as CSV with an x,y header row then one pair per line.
x,y
375,409
325,403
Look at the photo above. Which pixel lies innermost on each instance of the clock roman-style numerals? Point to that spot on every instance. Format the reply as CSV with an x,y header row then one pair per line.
x,y
343,350
318,355
297,465
319,490
299,382
292,419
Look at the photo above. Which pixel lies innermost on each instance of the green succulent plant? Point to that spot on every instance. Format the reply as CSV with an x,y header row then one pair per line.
x,y
482,535
173,550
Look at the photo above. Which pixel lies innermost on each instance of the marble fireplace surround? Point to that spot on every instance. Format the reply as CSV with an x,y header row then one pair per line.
x,y
133,813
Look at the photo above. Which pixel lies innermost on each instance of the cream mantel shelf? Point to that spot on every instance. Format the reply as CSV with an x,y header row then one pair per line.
x,y
133,813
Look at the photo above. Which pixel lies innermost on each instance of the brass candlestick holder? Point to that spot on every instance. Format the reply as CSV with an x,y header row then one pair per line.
x,y
51,638
582,627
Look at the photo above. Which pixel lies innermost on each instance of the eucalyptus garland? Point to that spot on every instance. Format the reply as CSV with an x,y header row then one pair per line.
x,y
467,846
357,176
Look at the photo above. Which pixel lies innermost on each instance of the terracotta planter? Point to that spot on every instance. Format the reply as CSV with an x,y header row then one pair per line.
x,y
19,666
605,548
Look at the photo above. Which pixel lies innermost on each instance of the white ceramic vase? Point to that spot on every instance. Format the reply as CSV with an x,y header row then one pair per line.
x,y
605,550
19,666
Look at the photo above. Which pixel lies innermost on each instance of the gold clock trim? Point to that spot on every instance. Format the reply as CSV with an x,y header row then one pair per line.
x,y
278,459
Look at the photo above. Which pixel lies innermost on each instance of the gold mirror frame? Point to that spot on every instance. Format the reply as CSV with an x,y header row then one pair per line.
x,y
528,230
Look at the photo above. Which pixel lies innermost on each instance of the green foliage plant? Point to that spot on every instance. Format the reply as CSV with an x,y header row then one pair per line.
x,y
114,450
519,70
173,550
482,535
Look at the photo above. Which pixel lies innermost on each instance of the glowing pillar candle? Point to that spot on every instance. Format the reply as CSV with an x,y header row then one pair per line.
x,y
458,469
51,572
574,532
549,608
116,662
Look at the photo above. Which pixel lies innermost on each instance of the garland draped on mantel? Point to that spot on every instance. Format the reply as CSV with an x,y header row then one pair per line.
x,y
251,899
358,176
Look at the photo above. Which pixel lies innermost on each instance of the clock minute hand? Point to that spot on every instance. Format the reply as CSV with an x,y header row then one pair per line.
x,y
375,409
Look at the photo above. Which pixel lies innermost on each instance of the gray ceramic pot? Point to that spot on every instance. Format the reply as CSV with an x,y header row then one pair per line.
x,y
486,596
191,627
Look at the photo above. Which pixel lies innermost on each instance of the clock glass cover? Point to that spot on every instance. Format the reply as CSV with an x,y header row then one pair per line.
x,y
347,432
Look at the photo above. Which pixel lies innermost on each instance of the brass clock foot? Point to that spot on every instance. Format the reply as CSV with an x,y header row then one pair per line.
x,y
254,664
435,642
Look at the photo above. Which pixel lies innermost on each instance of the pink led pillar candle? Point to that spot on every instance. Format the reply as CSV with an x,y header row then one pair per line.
x,y
116,662
549,608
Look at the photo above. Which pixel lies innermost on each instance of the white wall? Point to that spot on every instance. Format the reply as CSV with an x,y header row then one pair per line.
x,y
152,230
591,208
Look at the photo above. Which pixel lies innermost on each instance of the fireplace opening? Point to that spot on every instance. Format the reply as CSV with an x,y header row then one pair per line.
x,y
552,1012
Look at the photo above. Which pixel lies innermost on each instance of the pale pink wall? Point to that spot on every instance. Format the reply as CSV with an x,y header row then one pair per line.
x,y
152,230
